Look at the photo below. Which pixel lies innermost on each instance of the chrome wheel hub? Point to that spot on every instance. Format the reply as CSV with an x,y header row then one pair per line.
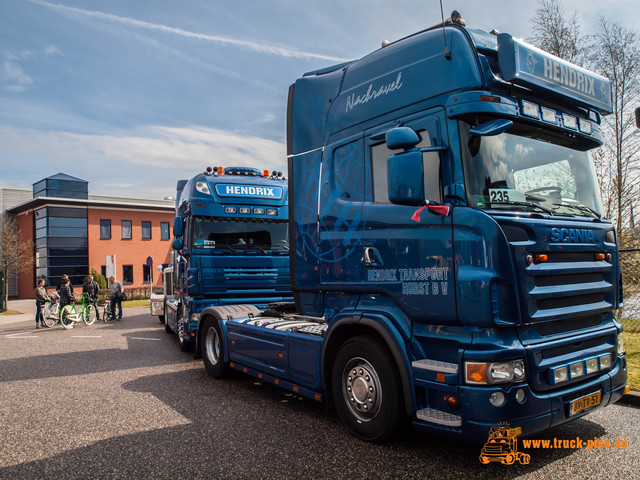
x,y
361,389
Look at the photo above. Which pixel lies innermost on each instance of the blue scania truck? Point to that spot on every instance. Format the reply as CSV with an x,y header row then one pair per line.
x,y
231,246
449,258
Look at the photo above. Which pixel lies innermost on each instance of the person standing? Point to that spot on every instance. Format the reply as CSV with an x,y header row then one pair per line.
x,y
66,295
41,298
115,291
63,279
92,289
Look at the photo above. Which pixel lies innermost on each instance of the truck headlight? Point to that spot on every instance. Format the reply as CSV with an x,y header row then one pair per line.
x,y
203,187
491,373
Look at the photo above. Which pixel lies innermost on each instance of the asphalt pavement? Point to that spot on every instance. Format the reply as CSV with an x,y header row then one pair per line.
x,y
119,400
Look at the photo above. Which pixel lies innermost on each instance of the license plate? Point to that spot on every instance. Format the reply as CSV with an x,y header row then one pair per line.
x,y
585,402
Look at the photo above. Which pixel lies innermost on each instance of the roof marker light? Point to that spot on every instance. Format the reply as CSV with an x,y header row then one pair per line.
x,y
570,121
549,115
530,109
487,98
585,126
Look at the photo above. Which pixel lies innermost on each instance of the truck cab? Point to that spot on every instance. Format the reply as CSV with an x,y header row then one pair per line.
x,y
231,246
450,261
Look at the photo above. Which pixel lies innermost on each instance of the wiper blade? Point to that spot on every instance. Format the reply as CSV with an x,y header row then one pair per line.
x,y
222,245
524,204
582,208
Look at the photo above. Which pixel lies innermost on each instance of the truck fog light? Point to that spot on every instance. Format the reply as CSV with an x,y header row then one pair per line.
x,y
497,399
520,396
592,365
621,349
560,374
576,369
605,361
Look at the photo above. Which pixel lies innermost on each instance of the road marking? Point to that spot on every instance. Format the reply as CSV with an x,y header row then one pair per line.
x,y
143,338
15,335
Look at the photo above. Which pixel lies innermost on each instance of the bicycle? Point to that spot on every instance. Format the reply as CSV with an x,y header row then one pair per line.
x,y
106,313
51,310
87,314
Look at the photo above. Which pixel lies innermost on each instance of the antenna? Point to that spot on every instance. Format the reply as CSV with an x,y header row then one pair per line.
x,y
447,54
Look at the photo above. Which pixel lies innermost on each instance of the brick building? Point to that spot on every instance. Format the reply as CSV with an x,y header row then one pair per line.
x,y
73,233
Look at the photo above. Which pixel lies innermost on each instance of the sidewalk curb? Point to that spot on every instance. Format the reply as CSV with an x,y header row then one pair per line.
x,y
632,398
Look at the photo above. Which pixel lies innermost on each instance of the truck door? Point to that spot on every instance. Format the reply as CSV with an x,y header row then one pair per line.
x,y
341,223
409,260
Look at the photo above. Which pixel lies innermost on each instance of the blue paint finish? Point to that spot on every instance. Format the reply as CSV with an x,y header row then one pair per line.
x,y
485,282
212,274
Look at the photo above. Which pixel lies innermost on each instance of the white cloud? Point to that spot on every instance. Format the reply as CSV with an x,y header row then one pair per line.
x,y
158,147
12,75
247,44
51,50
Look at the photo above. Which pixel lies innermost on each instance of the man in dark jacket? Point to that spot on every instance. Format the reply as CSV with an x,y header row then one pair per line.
x,y
92,288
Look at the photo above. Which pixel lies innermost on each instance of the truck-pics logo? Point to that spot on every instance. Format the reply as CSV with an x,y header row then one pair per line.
x,y
502,446
571,235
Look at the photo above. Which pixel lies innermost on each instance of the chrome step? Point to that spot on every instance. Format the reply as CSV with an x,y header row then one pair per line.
x,y
432,415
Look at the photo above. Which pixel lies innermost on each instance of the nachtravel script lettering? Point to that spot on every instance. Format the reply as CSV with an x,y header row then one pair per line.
x,y
371,94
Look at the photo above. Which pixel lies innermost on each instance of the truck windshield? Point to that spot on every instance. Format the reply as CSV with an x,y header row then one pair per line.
x,y
233,234
530,169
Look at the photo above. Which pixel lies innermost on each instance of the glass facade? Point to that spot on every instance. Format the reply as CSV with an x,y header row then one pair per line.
x,y
61,244
62,186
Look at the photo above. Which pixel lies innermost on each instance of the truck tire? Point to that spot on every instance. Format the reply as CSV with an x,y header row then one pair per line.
x,y
366,390
212,349
161,318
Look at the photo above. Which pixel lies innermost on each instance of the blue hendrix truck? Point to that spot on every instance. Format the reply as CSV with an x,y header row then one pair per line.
x,y
231,246
449,258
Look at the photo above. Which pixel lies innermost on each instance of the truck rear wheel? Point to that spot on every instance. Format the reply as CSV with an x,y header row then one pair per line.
x,y
366,390
212,349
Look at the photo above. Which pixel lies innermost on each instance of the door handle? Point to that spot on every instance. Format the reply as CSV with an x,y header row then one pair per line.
x,y
372,257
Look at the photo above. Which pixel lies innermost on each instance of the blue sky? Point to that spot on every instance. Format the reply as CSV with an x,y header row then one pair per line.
x,y
133,95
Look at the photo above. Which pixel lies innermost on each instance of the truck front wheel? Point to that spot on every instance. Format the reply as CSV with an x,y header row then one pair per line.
x,y
366,390
211,348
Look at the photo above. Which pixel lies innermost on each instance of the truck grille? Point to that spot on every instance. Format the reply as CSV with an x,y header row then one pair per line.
x,y
568,283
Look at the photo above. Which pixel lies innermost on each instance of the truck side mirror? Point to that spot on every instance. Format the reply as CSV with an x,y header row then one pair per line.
x,y
405,171
177,227
405,178
177,244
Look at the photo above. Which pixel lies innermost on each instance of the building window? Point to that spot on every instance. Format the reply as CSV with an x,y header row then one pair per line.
x,y
105,229
164,230
146,230
126,229
103,271
127,274
146,273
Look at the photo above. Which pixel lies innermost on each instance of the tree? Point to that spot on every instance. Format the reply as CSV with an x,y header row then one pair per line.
x,y
615,54
15,256
557,33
